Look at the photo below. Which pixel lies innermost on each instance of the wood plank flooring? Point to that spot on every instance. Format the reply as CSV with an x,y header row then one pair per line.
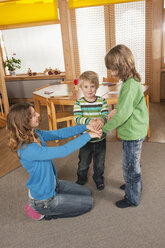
x,y
9,160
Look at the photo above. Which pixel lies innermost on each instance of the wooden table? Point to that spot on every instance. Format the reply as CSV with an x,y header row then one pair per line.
x,y
41,97
110,93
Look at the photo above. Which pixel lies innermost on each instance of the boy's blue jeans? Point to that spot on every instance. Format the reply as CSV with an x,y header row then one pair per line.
x,y
132,170
97,151
71,199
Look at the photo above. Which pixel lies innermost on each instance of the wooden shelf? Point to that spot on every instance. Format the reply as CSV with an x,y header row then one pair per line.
x,y
38,76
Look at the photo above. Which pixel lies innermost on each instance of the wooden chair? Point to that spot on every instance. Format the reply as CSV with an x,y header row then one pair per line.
x,y
38,102
54,117
69,83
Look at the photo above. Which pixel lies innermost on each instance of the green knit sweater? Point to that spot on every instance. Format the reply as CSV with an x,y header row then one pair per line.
x,y
131,118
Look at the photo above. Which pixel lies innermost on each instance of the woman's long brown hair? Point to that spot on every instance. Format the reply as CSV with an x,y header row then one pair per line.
x,y
18,126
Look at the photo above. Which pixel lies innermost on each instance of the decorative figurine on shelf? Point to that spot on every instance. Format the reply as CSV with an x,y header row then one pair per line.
x,y
57,71
12,64
50,71
30,73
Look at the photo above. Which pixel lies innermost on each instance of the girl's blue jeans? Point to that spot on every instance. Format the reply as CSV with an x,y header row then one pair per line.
x,y
132,170
71,199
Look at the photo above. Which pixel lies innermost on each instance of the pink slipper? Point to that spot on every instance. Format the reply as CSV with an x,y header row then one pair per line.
x,y
32,213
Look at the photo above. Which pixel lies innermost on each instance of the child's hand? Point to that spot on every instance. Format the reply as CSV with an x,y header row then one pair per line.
x,y
111,114
93,123
96,134
99,123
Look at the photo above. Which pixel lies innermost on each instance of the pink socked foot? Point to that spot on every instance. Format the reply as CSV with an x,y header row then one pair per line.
x,y
29,211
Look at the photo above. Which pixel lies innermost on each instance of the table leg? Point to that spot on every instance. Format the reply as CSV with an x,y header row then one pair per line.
x,y
53,115
37,106
49,115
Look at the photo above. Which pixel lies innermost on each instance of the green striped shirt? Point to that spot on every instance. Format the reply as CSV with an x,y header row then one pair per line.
x,y
84,111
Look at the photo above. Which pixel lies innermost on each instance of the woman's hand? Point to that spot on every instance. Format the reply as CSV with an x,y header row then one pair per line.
x,y
111,114
96,134
91,127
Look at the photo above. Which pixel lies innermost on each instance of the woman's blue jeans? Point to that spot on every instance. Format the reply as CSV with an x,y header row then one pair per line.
x,y
71,199
132,170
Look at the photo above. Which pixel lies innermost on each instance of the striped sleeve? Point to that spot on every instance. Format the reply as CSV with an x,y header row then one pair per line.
x,y
104,110
78,114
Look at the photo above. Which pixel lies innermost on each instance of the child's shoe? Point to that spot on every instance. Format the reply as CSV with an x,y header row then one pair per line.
x,y
122,187
50,217
100,186
123,204
82,180
29,211
99,183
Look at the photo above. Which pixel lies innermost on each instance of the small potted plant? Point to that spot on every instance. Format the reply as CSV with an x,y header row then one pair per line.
x,y
12,64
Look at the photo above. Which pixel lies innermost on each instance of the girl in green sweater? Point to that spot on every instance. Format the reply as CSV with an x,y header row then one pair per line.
x,y
130,119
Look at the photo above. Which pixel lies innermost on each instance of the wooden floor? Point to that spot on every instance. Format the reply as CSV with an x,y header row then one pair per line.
x,y
9,160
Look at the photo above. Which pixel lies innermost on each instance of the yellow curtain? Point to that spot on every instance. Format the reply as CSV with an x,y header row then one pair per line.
x,y
27,11
87,3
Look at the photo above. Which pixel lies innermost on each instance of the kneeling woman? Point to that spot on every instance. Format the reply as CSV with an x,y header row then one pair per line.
x,y
48,195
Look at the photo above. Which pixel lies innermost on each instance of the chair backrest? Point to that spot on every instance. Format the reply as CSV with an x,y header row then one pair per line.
x,y
55,117
43,101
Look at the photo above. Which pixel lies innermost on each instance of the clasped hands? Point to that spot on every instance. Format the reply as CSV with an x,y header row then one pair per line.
x,y
95,125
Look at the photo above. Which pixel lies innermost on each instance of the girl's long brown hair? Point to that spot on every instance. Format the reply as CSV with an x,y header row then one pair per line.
x,y
121,59
18,126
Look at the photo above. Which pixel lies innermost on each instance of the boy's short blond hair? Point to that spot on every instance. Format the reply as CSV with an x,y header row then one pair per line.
x,y
90,76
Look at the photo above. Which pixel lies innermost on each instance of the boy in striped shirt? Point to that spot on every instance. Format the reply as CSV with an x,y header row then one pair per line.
x,y
91,109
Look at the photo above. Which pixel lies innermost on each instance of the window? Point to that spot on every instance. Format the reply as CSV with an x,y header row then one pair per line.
x,y
91,39
37,47
129,30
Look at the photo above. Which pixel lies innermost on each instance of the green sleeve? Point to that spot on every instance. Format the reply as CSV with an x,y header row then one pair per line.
x,y
124,109
104,111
